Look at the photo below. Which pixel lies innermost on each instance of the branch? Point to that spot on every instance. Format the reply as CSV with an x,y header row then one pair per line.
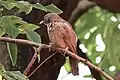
x,y
85,61
21,41
81,8
41,64
26,71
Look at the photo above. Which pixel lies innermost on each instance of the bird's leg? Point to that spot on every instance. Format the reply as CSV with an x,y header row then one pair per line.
x,y
64,53
52,47
66,50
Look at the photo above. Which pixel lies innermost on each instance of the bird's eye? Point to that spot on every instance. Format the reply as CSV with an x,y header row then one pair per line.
x,y
46,20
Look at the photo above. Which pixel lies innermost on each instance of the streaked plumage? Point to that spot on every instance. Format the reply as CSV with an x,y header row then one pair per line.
x,y
62,35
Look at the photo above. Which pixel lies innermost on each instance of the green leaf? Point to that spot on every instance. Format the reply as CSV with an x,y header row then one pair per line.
x,y
1,31
16,20
67,65
53,8
88,76
7,77
8,26
2,67
33,36
13,51
7,4
38,56
24,6
27,7
14,75
29,27
107,25
39,6
48,8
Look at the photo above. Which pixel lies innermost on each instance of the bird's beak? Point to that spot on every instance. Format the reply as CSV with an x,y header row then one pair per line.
x,y
41,22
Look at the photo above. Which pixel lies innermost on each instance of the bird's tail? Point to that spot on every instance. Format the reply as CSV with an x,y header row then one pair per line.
x,y
74,66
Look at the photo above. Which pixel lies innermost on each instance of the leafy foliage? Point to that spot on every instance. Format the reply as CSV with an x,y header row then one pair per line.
x,y
53,8
99,30
33,36
12,26
27,7
14,75
8,26
11,75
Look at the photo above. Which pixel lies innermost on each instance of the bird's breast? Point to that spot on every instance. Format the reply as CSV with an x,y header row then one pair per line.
x,y
55,36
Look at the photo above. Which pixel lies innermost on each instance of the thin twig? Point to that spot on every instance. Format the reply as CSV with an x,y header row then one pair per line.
x,y
26,71
20,41
41,64
85,61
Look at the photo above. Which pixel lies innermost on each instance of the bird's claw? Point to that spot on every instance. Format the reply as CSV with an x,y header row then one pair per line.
x,y
51,47
64,52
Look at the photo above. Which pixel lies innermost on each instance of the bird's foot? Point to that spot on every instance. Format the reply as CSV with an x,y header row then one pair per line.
x,y
52,47
64,53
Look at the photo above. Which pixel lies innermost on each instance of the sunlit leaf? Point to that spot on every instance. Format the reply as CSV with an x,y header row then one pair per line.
x,y
27,7
29,27
2,67
38,57
88,76
53,8
0,77
39,6
24,6
14,75
7,77
108,26
7,4
67,65
8,26
16,20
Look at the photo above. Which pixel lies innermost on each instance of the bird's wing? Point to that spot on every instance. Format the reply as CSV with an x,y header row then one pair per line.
x,y
69,36
70,39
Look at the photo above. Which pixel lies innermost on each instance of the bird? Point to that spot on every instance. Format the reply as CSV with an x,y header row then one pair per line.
x,y
62,35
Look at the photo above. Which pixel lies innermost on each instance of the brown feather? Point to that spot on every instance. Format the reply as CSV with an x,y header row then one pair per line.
x,y
62,35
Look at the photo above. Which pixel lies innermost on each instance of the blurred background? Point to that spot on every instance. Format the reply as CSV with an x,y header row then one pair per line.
x,y
96,23
99,32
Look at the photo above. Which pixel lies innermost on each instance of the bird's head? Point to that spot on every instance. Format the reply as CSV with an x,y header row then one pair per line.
x,y
49,18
